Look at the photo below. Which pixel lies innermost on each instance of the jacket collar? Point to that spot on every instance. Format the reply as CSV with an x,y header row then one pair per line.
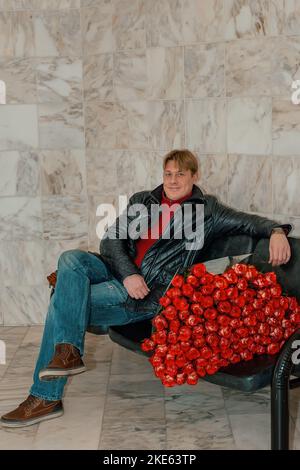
x,y
197,194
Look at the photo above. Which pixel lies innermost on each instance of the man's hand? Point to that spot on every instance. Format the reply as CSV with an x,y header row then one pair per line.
x,y
136,286
279,249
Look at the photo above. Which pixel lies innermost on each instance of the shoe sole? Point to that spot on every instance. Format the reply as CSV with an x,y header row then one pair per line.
x,y
52,374
20,424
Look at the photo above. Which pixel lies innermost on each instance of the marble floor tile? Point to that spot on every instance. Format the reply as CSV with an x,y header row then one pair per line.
x,y
134,436
66,432
21,438
237,402
252,431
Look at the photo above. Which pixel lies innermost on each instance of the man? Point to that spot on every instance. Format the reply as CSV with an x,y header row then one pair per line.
x,y
123,284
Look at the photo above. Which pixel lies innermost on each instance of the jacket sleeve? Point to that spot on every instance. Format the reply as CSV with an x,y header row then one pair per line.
x,y
228,221
114,248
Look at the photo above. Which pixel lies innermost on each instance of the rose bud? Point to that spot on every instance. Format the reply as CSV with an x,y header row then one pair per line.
x,y
219,295
192,320
170,312
230,276
207,301
242,284
159,322
198,269
159,370
235,311
161,350
207,289
187,290
168,381
165,301
273,348
180,303
174,325
172,337
191,279
185,345
211,369
177,280
185,333
183,315
192,378
201,371
147,345
223,320
180,378
197,309
210,314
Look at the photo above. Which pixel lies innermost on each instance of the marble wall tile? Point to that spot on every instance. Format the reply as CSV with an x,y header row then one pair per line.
x,y
250,182
130,75
20,79
249,68
18,127
163,22
204,70
57,33
100,124
286,177
98,77
59,79
166,122
16,35
20,173
202,20
214,175
21,262
54,248
292,17
117,125
245,19
45,4
61,125
205,120
101,168
286,128
96,25
63,172
129,24
165,73
6,5
118,172
249,126
20,218
65,217
24,305
156,168
285,65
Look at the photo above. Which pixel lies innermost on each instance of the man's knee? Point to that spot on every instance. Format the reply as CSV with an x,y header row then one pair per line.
x,y
71,257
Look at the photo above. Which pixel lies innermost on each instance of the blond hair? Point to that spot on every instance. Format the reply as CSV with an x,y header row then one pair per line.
x,y
184,158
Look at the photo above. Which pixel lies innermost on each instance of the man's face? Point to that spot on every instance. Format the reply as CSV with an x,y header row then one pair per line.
x,y
177,183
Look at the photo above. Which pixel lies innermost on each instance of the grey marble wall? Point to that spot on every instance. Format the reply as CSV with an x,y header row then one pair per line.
x,y
99,90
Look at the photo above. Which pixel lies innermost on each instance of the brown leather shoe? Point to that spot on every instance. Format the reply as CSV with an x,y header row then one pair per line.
x,y
32,411
66,361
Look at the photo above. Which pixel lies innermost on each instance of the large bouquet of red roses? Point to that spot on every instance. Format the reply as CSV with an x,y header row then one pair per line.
x,y
208,321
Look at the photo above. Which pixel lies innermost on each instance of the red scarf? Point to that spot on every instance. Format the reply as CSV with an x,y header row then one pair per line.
x,y
143,244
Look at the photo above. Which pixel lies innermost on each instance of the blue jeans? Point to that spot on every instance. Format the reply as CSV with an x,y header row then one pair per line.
x,y
86,293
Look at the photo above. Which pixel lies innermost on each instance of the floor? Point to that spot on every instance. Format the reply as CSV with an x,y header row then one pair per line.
x,y
119,404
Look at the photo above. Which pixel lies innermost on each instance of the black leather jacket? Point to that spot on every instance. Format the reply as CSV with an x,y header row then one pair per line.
x,y
166,256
